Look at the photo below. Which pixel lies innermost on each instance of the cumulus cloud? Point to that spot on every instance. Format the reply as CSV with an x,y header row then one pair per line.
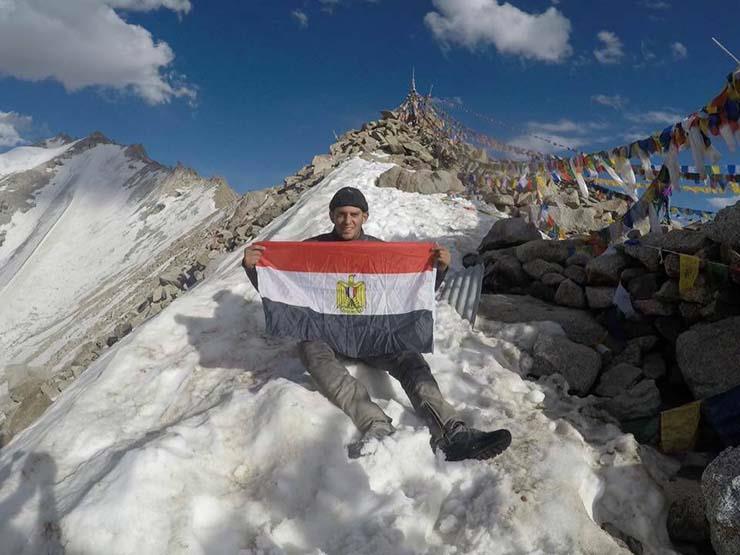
x,y
301,17
611,52
475,24
655,116
721,202
616,101
679,51
86,43
12,127
566,126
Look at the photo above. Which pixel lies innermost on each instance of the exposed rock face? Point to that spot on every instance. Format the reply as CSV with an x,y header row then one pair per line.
x,y
578,364
709,357
721,487
509,232
420,181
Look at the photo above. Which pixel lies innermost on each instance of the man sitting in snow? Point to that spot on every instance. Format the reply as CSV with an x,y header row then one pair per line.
x,y
348,211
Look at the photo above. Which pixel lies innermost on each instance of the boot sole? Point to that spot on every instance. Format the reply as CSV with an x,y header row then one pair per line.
x,y
487,450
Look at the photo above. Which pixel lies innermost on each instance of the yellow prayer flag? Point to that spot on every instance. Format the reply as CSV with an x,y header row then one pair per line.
x,y
689,270
678,427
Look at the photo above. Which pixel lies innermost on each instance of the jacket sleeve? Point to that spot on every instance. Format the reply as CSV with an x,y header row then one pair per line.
x,y
440,277
252,275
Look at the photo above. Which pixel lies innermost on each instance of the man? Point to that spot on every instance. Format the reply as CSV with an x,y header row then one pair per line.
x,y
348,212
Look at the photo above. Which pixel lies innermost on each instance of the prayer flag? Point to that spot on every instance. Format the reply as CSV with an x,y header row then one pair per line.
x,y
689,270
679,426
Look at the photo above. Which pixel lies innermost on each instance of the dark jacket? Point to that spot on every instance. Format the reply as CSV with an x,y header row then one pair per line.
x,y
333,236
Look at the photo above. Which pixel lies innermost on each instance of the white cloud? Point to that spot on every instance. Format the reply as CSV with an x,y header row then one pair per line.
x,y
679,51
615,101
84,43
611,52
475,24
531,142
301,17
12,125
721,202
655,4
565,126
655,116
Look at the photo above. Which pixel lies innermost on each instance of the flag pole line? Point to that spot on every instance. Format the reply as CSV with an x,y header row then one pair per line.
x,y
730,54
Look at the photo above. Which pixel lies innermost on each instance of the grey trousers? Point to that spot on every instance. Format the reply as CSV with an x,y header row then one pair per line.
x,y
350,395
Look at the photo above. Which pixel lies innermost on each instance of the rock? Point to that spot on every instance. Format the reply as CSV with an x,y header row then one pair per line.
x,y
653,366
669,328
691,312
112,339
617,379
709,357
679,240
159,294
510,269
600,297
170,278
625,541
551,278
27,413
499,200
171,292
153,310
122,330
538,268
639,401
578,364
579,326
198,275
472,259
550,251
650,258
672,265
420,181
541,291
720,485
644,286
578,259
570,293
654,307
508,232
668,291
576,274
606,269
579,219
202,260
686,521
628,274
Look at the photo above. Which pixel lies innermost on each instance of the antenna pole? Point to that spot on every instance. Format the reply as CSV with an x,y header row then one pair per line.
x,y
730,54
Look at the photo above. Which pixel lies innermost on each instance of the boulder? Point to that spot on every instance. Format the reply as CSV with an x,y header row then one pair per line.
x,y
600,297
551,278
579,326
499,200
510,269
708,355
508,232
171,278
672,265
122,330
578,259
570,294
31,407
551,251
654,307
420,181
653,366
628,274
686,521
574,219
617,379
538,268
679,240
720,485
641,400
578,364
606,269
541,291
644,286
575,273
650,258
322,163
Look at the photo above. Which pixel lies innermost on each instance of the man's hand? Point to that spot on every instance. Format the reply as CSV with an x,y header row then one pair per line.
x,y
442,256
252,254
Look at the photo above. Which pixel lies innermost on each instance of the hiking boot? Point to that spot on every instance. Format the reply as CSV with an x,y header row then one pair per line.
x,y
459,442
377,430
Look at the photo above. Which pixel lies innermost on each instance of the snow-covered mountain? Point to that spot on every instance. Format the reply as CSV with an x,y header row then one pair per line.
x,y
83,225
198,434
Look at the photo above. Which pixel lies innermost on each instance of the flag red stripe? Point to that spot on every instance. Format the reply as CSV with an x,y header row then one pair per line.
x,y
361,257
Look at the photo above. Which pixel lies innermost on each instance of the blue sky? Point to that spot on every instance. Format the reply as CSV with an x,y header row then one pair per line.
x,y
251,90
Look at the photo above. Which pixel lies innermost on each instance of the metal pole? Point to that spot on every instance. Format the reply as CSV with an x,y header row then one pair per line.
x,y
730,54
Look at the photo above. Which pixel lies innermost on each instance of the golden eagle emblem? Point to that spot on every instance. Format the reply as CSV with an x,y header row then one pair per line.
x,y
351,296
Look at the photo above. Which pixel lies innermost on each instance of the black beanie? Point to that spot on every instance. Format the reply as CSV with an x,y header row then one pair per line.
x,y
348,196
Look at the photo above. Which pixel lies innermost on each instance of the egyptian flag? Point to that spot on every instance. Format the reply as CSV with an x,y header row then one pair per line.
x,y
363,298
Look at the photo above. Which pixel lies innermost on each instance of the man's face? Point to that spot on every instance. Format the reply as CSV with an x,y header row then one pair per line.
x,y
348,221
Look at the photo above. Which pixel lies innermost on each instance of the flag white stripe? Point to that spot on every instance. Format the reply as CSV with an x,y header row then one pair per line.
x,y
384,293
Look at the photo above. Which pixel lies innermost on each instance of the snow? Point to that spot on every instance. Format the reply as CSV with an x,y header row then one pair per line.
x,y
26,157
197,434
85,234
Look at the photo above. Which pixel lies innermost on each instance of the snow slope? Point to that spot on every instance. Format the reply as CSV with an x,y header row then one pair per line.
x,y
82,229
197,434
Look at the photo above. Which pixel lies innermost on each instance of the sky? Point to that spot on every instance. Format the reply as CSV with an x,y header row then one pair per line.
x,y
251,90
